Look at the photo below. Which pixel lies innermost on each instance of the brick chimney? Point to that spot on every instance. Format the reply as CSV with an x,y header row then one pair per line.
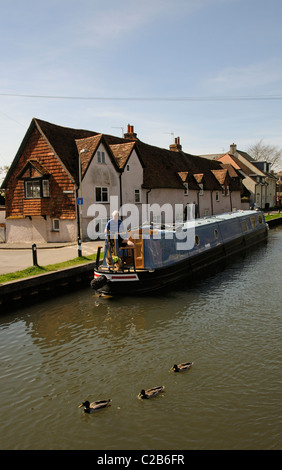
x,y
130,134
233,149
176,147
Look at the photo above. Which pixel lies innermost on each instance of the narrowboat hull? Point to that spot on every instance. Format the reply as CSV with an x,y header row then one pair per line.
x,y
196,265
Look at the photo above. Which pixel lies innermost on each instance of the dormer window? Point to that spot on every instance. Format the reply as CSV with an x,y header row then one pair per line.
x,y
35,189
36,180
101,157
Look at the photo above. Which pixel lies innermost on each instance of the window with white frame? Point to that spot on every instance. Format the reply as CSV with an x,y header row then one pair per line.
x,y
201,189
56,225
225,190
137,195
101,157
32,189
186,189
45,188
36,188
102,194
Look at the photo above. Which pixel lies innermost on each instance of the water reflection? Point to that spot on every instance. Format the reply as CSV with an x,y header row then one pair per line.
x,y
56,354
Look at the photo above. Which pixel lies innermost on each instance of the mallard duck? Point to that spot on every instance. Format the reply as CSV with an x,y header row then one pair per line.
x,y
181,367
151,392
95,405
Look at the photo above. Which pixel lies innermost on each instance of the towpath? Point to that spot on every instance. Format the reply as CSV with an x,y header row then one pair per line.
x,y
17,257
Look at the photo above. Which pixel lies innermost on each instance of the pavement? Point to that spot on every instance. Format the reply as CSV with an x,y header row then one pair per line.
x,y
15,257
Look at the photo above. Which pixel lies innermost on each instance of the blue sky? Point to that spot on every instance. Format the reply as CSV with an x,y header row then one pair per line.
x,y
203,70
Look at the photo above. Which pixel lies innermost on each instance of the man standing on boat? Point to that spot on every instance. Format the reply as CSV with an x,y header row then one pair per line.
x,y
115,230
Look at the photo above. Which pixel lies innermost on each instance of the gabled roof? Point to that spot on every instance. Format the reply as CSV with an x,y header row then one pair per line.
x,y
251,167
122,152
221,175
237,164
33,169
62,142
188,177
162,168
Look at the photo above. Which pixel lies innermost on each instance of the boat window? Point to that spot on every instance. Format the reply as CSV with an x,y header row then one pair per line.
x,y
260,219
253,222
216,233
197,240
244,225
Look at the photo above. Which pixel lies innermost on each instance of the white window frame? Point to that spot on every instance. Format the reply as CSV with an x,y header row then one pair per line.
x,y
104,192
45,188
55,225
101,156
36,188
225,190
33,189
137,196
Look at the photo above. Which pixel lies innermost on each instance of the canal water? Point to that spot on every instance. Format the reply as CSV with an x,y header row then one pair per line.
x,y
80,347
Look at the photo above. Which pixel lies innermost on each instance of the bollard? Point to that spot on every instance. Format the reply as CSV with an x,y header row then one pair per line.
x,y
79,247
34,254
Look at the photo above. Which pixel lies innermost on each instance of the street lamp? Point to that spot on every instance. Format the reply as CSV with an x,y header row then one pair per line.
x,y
79,203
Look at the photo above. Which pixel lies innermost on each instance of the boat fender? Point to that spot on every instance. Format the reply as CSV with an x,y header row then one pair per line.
x,y
98,282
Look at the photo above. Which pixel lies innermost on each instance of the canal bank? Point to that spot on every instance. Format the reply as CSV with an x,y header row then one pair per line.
x,y
35,288
27,291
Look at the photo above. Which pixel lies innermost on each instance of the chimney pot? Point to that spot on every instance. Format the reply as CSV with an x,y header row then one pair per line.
x,y
176,147
130,133
233,149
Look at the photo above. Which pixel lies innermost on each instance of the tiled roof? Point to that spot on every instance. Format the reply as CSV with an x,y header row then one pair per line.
x,y
89,144
63,141
220,175
237,164
162,168
122,152
41,171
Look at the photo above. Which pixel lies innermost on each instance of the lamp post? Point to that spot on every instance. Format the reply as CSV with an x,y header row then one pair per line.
x,y
79,203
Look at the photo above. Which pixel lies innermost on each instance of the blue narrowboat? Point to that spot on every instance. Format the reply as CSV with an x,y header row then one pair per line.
x,y
160,258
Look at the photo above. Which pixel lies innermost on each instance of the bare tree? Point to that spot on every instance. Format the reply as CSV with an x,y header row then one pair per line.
x,y
266,153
